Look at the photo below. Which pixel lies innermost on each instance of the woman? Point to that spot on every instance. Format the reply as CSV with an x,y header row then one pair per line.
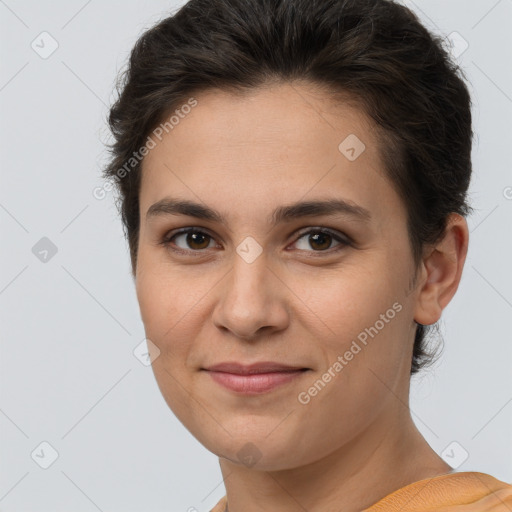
x,y
293,178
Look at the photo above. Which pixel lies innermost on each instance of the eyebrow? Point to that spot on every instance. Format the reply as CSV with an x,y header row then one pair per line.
x,y
287,213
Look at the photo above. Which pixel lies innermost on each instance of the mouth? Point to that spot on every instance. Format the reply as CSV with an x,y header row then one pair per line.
x,y
255,368
254,379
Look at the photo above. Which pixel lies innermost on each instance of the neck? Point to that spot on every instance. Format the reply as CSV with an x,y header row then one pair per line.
x,y
385,457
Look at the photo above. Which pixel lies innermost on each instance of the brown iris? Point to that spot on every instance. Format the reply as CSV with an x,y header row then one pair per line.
x,y
323,239
198,238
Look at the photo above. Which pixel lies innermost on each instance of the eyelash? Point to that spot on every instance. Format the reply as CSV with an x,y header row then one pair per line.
x,y
344,241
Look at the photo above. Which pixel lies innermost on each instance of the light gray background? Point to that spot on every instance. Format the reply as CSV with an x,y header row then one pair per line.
x,y
69,325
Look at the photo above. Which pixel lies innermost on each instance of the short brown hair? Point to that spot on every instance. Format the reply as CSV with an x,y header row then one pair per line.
x,y
375,51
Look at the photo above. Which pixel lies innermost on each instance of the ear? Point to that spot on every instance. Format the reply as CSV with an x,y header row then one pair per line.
x,y
440,271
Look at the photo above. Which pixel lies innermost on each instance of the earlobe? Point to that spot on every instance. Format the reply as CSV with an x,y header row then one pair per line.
x,y
441,271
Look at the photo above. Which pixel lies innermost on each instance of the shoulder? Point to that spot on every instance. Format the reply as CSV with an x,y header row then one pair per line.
x,y
480,490
221,505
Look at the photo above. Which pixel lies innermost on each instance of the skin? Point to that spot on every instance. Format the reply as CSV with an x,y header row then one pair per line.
x,y
298,302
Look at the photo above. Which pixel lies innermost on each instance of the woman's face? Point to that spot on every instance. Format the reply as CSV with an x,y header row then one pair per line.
x,y
329,292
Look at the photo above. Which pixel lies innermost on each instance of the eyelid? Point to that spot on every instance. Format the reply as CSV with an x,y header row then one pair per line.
x,y
342,238
338,235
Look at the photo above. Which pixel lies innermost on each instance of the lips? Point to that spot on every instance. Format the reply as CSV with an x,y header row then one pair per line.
x,y
254,379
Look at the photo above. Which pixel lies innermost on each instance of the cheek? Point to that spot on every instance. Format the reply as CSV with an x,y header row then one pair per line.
x,y
172,304
361,324
346,301
161,309
362,353
167,311
165,295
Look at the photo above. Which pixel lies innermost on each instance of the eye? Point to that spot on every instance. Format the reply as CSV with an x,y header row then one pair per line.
x,y
194,240
321,239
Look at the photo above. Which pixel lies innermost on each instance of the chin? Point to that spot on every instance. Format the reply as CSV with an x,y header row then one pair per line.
x,y
256,452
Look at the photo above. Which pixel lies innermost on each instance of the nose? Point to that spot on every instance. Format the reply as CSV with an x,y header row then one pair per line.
x,y
252,301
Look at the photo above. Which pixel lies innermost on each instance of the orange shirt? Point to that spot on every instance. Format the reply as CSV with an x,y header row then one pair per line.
x,y
454,492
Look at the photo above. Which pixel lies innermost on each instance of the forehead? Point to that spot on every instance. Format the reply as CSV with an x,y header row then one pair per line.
x,y
270,145
288,115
